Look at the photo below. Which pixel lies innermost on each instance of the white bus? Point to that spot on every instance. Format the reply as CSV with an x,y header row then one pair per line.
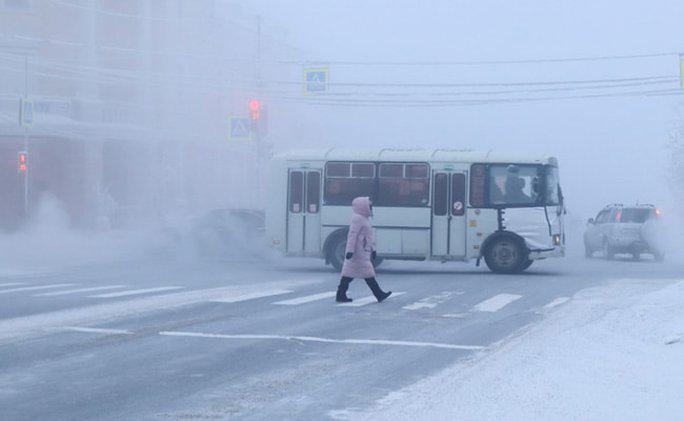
x,y
444,205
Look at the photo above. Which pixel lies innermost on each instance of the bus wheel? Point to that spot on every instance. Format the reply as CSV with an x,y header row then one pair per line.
x,y
506,253
335,252
526,265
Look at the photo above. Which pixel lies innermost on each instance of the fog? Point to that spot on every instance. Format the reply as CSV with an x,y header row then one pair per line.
x,y
140,93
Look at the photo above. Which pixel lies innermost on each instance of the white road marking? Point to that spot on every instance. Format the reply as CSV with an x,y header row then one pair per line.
x,y
455,315
96,330
368,300
36,288
234,298
11,284
129,292
36,325
558,301
496,303
75,291
306,299
326,340
433,301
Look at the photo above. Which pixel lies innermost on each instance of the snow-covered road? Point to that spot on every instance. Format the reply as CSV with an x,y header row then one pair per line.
x,y
222,339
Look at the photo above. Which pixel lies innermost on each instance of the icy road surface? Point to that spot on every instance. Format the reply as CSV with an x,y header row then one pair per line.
x,y
162,340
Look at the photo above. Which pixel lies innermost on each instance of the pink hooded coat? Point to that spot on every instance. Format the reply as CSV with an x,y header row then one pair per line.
x,y
360,241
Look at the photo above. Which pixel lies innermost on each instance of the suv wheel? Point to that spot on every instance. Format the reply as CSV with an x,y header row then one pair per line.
x,y
506,254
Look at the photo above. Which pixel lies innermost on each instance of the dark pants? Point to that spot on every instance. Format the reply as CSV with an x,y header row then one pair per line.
x,y
371,282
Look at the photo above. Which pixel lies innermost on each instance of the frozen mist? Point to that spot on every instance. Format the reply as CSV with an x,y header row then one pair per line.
x,y
170,224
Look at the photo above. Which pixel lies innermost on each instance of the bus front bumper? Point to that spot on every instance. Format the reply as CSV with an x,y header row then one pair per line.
x,y
557,251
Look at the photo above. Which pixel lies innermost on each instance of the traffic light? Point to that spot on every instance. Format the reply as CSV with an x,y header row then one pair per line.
x,y
255,109
22,161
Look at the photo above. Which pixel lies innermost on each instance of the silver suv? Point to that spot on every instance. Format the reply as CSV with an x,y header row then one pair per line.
x,y
625,229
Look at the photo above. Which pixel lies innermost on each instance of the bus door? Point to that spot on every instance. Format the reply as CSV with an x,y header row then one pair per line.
x,y
449,214
303,212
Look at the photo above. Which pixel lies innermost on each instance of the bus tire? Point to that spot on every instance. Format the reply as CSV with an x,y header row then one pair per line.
x,y
526,265
334,249
506,253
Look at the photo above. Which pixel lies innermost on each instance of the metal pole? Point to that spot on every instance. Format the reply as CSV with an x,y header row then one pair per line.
x,y
257,132
26,144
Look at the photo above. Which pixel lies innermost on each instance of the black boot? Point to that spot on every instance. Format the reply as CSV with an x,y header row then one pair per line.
x,y
380,295
342,291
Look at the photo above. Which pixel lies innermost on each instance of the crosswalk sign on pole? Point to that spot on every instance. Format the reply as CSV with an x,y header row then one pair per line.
x,y
25,112
240,128
316,80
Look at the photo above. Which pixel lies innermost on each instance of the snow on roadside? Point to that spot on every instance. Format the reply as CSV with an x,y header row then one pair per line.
x,y
612,352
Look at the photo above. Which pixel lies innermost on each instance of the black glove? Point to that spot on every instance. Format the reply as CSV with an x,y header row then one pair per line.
x,y
374,255
349,255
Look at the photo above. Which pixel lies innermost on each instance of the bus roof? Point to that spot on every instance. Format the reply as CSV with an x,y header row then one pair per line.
x,y
419,155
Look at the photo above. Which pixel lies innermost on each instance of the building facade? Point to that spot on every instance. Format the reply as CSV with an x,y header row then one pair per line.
x,y
130,104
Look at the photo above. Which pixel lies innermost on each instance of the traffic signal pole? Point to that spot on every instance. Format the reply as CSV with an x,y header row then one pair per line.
x,y
26,145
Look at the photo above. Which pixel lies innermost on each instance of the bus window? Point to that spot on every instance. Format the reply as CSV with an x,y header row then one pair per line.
x,y
403,185
363,170
296,192
337,169
458,194
478,176
313,191
514,185
440,206
345,181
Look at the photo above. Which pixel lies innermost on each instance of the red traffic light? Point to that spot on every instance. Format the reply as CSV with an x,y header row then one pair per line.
x,y
23,161
255,109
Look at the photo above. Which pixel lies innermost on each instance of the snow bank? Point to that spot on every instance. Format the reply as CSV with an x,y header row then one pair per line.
x,y
614,352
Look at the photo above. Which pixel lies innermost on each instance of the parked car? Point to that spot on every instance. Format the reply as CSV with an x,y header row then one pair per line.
x,y
623,229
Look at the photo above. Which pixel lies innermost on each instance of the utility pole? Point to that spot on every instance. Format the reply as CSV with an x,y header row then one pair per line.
x,y
27,173
257,132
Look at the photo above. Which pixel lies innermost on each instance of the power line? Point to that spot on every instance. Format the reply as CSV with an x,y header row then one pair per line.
x,y
478,62
474,84
472,102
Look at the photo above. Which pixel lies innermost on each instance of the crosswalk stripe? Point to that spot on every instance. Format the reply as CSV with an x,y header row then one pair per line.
x,y
234,298
96,330
368,300
306,299
76,291
36,288
433,301
134,292
11,284
496,303
558,301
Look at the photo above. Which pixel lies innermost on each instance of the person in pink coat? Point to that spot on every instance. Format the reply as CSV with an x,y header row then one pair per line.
x,y
360,252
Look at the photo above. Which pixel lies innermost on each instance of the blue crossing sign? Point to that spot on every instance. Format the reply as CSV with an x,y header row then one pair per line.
x,y
25,112
240,128
316,80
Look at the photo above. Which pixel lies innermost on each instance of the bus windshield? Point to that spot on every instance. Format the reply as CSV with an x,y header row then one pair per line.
x,y
515,185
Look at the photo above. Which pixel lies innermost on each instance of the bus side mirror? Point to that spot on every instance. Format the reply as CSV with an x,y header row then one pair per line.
x,y
591,221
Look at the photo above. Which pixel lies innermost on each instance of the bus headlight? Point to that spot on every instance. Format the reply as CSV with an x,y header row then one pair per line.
x,y
556,240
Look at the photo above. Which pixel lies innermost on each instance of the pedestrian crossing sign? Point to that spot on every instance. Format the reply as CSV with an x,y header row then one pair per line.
x,y
240,128
25,113
316,80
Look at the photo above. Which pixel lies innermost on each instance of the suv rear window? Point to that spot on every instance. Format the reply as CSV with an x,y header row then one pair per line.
x,y
634,215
